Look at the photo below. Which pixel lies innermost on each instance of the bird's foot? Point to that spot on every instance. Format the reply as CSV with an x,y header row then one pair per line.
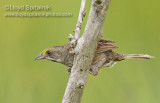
x,y
69,71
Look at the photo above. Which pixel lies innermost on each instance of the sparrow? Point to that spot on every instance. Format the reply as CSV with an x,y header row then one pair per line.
x,y
104,56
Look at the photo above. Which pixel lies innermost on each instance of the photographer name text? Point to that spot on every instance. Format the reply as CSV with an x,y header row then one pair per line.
x,y
27,8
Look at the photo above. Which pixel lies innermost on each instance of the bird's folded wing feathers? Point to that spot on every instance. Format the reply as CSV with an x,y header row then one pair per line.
x,y
106,41
104,46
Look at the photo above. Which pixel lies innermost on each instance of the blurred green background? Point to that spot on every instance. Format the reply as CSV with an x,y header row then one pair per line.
x,y
134,24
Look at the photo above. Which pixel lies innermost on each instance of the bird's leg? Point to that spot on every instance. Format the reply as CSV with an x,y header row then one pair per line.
x,y
69,71
93,71
96,65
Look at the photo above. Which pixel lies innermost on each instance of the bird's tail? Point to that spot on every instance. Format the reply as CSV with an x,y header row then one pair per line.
x,y
136,56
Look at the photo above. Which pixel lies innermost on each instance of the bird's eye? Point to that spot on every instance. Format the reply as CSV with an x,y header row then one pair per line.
x,y
48,52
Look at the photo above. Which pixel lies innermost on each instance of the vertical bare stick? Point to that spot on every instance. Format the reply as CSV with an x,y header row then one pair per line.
x,y
78,25
80,19
85,50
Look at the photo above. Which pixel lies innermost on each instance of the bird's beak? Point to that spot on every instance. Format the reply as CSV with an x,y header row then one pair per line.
x,y
39,57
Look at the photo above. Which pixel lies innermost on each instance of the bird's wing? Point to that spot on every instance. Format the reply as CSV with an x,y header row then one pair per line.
x,y
106,41
104,46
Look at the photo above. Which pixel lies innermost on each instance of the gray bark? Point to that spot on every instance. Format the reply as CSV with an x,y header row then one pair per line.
x,y
85,50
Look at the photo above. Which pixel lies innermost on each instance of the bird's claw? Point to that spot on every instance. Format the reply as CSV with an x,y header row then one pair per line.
x,y
69,71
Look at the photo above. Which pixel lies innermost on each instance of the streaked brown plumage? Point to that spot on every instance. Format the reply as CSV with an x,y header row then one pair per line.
x,y
104,56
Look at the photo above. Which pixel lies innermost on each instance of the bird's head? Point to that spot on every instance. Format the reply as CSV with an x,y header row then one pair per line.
x,y
53,53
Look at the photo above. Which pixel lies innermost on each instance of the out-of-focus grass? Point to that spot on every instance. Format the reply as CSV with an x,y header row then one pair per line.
x,y
133,24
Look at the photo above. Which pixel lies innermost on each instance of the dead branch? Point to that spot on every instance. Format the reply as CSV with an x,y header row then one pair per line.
x,y
82,14
85,50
